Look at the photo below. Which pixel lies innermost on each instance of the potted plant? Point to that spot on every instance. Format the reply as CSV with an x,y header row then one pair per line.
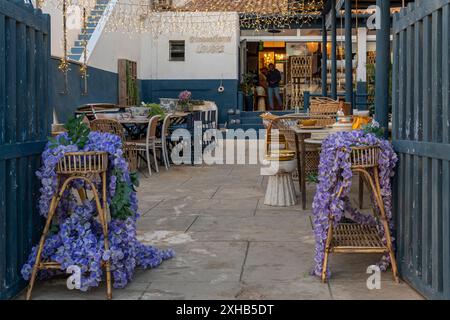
x,y
248,87
184,100
154,109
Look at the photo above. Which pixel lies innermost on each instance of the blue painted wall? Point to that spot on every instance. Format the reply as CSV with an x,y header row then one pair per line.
x,y
152,90
102,88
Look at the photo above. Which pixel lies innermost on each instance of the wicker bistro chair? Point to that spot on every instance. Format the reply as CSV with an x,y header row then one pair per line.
x,y
150,142
77,166
359,238
114,127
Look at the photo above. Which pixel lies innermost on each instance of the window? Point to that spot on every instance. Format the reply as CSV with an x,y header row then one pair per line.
x,y
177,50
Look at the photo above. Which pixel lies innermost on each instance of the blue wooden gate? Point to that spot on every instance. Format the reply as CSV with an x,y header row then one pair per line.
x,y
25,119
421,134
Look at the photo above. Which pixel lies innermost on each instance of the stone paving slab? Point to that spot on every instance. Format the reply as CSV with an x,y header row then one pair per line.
x,y
229,245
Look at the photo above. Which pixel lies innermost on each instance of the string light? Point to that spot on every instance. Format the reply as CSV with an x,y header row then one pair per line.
x,y
203,17
84,66
64,65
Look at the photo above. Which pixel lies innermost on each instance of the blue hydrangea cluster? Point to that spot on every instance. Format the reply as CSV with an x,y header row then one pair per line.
x,y
335,173
79,238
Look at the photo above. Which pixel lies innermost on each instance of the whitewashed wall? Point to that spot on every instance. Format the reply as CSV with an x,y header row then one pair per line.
x,y
113,46
155,63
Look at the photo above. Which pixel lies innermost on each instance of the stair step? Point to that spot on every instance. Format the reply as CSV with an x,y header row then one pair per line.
x,y
100,7
102,1
75,57
79,43
92,24
84,37
77,50
88,30
94,18
97,13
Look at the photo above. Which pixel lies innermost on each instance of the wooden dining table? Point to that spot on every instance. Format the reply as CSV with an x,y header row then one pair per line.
x,y
303,137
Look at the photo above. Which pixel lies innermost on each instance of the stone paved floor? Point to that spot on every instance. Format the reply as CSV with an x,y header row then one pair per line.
x,y
230,245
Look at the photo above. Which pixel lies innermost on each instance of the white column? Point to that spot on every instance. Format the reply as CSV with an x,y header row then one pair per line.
x,y
361,74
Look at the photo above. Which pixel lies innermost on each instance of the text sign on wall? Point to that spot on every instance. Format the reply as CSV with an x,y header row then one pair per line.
x,y
211,45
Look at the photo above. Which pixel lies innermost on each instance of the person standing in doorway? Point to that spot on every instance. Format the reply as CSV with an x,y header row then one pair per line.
x,y
273,79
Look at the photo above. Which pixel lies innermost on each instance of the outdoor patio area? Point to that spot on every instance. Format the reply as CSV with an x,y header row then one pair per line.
x,y
229,245
224,150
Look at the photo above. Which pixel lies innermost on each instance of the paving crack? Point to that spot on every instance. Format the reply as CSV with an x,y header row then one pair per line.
x,y
217,190
245,261
191,224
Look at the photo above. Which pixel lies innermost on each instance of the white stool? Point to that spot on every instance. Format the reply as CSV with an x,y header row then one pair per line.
x,y
280,190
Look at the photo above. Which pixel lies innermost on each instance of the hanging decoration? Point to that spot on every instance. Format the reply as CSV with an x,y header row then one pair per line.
x,y
191,17
84,66
64,65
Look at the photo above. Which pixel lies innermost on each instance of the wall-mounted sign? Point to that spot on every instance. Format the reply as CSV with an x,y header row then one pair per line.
x,y
211,45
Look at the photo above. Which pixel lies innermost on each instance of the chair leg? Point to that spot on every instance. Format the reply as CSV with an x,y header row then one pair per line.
x,y
327,252
102,212
149,164
164,154
361,191
387,230
155,158
51,213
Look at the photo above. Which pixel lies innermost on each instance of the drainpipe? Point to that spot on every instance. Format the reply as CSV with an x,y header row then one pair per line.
x,y
382,65
324,57
348,54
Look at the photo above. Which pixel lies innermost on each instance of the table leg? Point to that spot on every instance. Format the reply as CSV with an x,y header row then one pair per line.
x,y
303,171
297,151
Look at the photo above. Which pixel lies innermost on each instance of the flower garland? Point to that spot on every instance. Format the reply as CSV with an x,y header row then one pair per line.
x,y
335,173
78,238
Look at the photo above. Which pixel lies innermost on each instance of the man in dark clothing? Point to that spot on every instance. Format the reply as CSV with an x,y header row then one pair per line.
x,y
274,78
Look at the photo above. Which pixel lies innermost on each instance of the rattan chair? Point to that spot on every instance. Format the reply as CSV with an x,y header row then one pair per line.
x,y
77,166
150,142
114,127
359,238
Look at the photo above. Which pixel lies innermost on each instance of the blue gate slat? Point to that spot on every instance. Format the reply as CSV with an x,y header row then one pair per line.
x,y
446,72
436,88
409,116
418,72
11,63
2,78
21,79
446,228
426,222
31,99
436,229
25,118
427,35
416,216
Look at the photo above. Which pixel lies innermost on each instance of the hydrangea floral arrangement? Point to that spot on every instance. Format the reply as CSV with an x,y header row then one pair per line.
x,y
335,172
78,239
184,99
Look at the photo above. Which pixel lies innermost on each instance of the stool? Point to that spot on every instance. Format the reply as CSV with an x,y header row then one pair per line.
x,y
360,238
280,190
77,166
